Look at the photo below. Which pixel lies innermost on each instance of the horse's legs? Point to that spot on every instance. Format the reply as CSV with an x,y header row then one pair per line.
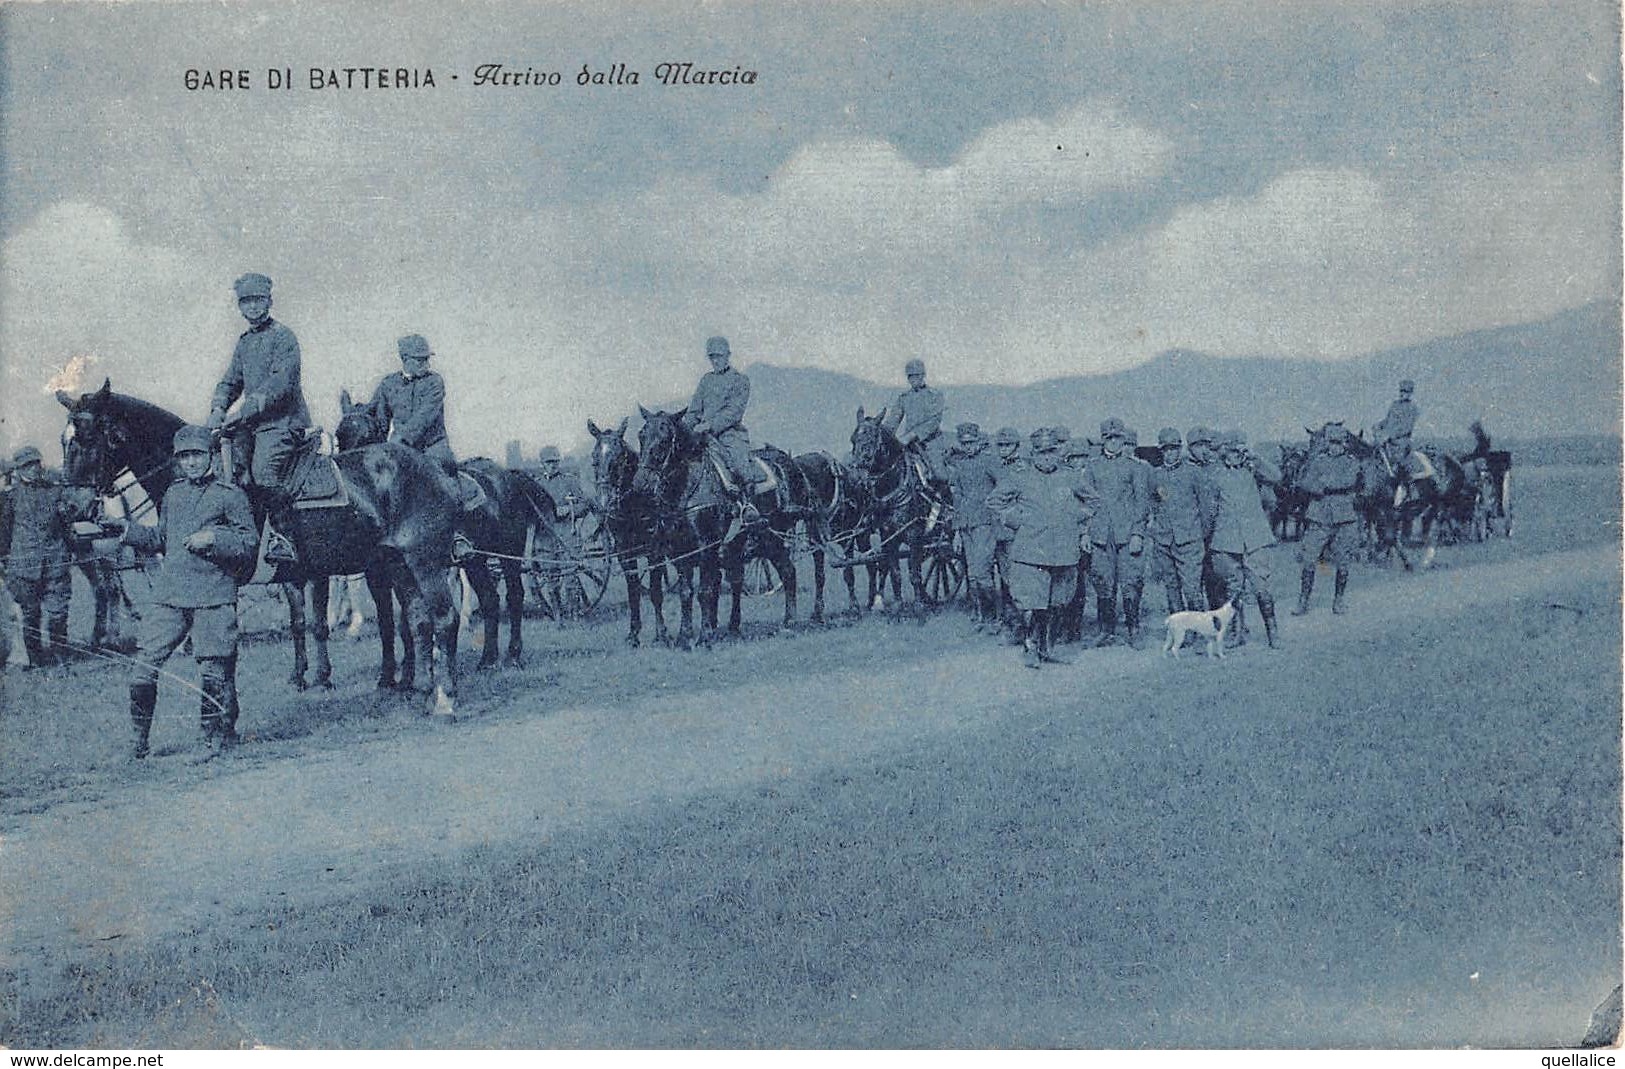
x,y
735,562
634,598
657,598
685,598
318,627
294,595
916,579
710,592
818,586
383,599
785,562
485,591
513,580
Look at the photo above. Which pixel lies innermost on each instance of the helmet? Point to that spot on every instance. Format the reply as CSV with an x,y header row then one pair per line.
x,y
1168,436
252,285
717,345
914,367
414,347
193,439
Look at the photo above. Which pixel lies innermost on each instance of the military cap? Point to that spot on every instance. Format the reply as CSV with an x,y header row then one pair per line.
x,y
717,345
1111,428
1335,432
1043,440
193,439
968,432
914,367
1075,447
1406,386
1008,436
1063,434
1168,436
414,347
1199,433
549,452
26,455
252,284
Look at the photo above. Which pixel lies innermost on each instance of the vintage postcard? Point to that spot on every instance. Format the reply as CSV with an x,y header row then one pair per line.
x,y
775,525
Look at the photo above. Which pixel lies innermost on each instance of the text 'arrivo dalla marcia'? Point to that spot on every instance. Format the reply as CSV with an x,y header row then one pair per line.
x,y
485,74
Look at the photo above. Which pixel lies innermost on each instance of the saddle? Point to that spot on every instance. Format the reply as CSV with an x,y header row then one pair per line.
x,y
470,491
314,479
770,462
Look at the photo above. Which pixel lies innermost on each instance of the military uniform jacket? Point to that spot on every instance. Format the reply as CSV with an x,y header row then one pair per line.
x,y
569,499
415,409
1400,421
1239,524
1124,485
264,371
917,413
1330,482
1178,505
720,401
189,580
972,475
40,513
1048,511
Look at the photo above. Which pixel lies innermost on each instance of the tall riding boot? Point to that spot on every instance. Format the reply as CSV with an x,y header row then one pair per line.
x,y
1337,591
978,606
1047,641
1131,617
34,640
1036,626
59,640
1106,616
1176,597
1306,587
215,718
1272,633
143,699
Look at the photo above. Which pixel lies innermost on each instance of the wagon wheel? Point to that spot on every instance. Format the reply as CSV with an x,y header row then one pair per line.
x,y
555,562
943,570
761,578
596,558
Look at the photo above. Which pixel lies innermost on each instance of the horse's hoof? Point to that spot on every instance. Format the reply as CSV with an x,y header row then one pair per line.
x,y
325,683
486,664
297,681
632,642
514,660
386,682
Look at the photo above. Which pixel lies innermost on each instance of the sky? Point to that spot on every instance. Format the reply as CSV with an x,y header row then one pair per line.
x,y
1010,192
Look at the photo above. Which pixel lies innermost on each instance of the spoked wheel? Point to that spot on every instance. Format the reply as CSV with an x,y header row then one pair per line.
x,y
561,564
761,578
943,570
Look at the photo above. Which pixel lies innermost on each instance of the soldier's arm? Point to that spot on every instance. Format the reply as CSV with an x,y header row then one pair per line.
x,y
732,411
928,420
379,405
227,390
279,394
431,406
146,539
1142,500
235,539
1083,488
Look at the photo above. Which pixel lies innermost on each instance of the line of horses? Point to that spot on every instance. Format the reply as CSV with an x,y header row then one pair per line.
x,y
672,521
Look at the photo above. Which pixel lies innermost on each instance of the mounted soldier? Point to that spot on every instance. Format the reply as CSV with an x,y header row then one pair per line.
x,y
206,534
1242,532
1332,479
715,414
37,555
973,472
412,403
1393,432
916,419
1117,532
268,428
1178,524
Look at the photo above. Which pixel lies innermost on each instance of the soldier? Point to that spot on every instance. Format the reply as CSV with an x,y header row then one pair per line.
x,y
1075,454
916,418
37,556
973,472
1007,444
1047,505
1331,479
571,503
1241,532
206,534
1178,524
1394,430
1117,531
267,428
716,410
412,402
1199,444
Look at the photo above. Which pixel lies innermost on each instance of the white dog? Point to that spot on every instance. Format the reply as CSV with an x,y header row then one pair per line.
x,y
1212,625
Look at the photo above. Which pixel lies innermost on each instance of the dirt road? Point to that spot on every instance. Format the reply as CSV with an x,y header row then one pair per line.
x,y
152,858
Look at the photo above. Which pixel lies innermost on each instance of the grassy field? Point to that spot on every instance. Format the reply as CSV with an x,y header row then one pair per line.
x,y
1411,838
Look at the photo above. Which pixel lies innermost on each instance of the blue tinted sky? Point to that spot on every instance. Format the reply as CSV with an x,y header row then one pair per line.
x,y
1011,192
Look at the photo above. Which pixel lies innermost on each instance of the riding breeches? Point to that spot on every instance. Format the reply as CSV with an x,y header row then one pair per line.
x,y
164,627
1335,543
1179,568
1112,567
47,595
979,553
1243,573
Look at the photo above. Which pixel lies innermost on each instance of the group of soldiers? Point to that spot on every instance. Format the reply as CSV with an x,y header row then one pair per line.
x,y
1038,520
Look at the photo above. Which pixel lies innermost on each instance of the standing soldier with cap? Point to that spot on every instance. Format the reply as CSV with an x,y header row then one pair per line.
x,y
1118,533
267,428
717,409
973,472
1204,464
1394,430
1331,479
1047,505
37,556
206,534
570,505
916,418
412,403
1241,532
1075,454
1007,444
1178,524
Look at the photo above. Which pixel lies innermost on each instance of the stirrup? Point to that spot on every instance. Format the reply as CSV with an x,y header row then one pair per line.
x,y
279,549
461,548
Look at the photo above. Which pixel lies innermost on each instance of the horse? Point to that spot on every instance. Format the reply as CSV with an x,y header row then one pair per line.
x,y
904,506
1390,504
396,526
676,470
1288,516
838,517
628,517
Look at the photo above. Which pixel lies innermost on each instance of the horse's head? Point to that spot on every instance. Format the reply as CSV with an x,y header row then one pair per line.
x,y
663,447
96,441
358,425
612,459
873,446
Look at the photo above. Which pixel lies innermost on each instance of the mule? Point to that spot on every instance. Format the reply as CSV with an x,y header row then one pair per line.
x,y
396,527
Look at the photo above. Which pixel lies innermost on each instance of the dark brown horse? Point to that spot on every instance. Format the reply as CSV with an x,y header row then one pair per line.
x,y
628,519
839,519
396,527
905,508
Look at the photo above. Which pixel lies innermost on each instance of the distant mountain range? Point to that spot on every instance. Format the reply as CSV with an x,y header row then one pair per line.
x,y
1560,376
